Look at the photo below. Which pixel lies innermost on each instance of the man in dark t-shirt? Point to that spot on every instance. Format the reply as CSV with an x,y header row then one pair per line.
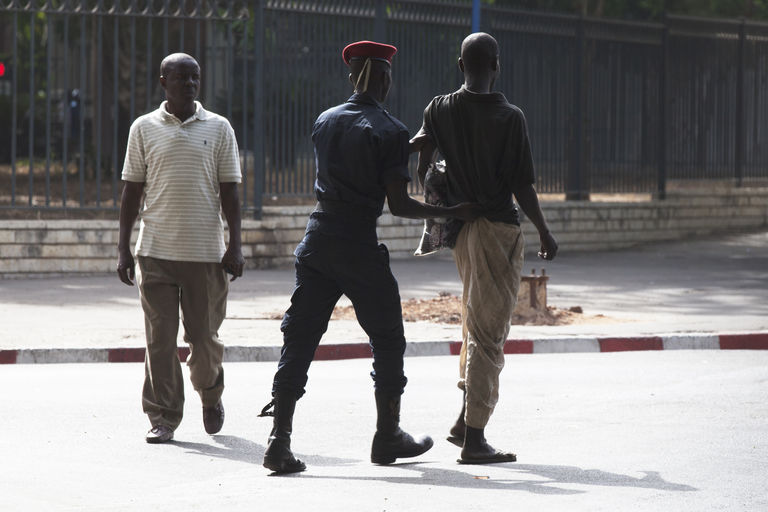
x,y
484,141
362,158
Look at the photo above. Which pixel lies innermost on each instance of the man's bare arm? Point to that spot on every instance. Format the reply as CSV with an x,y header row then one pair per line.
x,y
529,203
130,202
403,205
233,261
426,148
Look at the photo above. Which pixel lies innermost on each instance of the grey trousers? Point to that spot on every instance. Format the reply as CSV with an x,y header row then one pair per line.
x,y
200,289
489,257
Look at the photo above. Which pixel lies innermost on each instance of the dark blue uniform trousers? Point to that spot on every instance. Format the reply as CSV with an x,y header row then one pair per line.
x,y
326,268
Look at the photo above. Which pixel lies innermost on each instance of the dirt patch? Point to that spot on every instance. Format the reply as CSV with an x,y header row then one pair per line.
x,y
446,309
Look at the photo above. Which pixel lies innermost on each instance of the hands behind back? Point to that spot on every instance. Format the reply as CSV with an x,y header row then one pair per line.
x,y
467,211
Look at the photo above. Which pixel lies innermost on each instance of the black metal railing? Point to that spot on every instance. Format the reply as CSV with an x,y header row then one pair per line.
x,y
612,106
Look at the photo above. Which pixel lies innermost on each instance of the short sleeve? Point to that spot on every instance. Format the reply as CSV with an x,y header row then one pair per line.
x,y
524,173
228,158
393,157
134,166
426,126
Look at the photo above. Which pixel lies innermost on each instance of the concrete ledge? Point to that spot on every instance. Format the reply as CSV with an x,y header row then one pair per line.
x,y
38,247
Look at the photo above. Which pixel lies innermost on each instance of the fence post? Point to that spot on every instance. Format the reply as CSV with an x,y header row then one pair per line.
x,y
258,102
739,147
661,183
15,70
31,125
575,182
380,22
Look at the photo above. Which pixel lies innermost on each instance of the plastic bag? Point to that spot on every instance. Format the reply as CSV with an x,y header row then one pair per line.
x,y
435,233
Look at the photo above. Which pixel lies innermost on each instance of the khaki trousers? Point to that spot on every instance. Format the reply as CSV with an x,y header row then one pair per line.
x,y
201,291
489,257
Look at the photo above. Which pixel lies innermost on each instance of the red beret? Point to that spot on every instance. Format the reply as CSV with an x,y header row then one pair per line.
x,y
368,49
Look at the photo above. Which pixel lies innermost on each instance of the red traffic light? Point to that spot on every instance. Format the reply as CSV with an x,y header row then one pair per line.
x,y
2,69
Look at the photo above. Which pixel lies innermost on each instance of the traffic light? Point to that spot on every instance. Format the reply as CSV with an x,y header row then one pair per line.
x,y
2,69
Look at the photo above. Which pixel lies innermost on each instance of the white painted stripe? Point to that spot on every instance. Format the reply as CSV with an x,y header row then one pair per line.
x,y
565,345
691,342
239,354
428,348
62,355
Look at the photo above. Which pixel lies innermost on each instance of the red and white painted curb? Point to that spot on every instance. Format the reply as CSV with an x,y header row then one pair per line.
x,y
739,341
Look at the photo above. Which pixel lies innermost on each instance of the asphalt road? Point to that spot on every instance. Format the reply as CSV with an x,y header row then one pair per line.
x,y
711,285
639,431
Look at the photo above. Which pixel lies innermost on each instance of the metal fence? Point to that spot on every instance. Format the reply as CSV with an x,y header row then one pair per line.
x,y
611,106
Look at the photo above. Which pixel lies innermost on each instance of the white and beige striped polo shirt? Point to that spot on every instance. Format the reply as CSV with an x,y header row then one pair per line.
x,y
181,165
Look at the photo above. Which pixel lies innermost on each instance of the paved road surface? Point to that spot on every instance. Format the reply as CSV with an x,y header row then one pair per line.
x,y
642,431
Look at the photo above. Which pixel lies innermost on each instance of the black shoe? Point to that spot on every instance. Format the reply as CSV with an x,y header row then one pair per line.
x,y
390,442
386,448
476,449
213,418
278,456
159,434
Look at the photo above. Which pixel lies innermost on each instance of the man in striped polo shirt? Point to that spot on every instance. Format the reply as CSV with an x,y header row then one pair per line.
x,y
183,162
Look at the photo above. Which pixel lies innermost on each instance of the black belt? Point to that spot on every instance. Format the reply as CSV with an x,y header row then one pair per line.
x,y
351,212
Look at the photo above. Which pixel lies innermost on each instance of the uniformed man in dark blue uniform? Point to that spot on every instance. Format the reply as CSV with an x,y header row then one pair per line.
x,y
362,157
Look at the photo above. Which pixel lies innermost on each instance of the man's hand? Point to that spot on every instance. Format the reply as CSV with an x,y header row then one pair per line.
x,y
233,262
548,246
466,211
126,267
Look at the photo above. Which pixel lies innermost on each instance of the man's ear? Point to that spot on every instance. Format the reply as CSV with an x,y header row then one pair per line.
x,y
162,82
461,65
495,63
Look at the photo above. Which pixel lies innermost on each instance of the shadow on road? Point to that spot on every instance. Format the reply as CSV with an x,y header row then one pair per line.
x,y
242,450
521,477
553,476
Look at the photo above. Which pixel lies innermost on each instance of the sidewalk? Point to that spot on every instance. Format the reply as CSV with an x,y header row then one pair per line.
x,y
709,294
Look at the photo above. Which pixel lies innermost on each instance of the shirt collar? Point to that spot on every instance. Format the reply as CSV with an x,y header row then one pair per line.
x,y
200,113
482,96
365,99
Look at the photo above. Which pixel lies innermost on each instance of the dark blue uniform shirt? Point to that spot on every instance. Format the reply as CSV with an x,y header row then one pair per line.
x,y
359,148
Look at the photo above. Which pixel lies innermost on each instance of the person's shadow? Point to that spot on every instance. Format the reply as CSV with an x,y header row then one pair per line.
x,y
243,450
551,476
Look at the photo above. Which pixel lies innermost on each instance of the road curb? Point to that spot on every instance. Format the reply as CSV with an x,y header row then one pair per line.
x,y
330,352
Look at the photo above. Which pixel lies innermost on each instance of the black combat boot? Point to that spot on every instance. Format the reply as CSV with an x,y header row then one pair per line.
x,y
278,456
390,442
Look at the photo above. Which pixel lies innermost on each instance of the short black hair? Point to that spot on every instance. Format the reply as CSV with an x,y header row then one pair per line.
x,y
171,60
478,52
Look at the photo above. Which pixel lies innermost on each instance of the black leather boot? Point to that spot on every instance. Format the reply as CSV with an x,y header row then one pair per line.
x,y
278,456
390,442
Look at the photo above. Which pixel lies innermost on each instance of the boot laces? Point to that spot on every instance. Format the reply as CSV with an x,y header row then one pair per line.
x,y
265,411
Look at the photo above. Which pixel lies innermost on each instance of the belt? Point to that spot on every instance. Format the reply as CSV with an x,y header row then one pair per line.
x,y
354,213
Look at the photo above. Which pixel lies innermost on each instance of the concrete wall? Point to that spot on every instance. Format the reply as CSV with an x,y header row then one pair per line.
x,y
32,247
